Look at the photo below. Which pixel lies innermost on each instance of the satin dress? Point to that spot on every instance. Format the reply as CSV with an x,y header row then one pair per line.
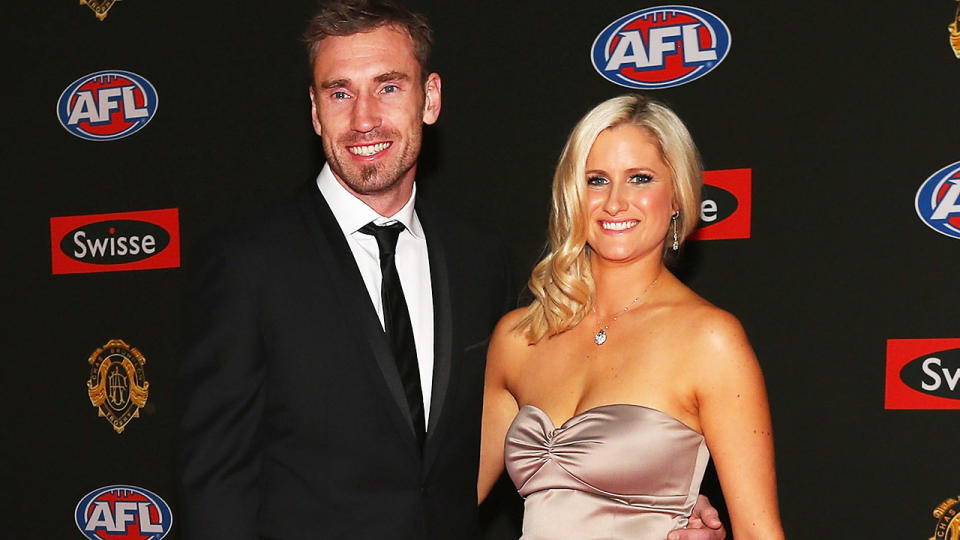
x,y
612,472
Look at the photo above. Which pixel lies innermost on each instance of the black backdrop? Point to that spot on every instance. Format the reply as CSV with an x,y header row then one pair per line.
x,y
841,110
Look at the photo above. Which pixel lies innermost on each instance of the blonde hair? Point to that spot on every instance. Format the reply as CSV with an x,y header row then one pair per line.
x,y
562,283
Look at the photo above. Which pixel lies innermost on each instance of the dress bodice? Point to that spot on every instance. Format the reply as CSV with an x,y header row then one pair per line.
x,y
613,472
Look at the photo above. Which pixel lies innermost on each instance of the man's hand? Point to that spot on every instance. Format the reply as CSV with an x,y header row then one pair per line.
x,y
704,524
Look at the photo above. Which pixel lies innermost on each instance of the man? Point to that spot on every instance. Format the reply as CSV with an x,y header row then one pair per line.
x,y
333,372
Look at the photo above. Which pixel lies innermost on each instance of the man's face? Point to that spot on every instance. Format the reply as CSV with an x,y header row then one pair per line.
x,y
369,106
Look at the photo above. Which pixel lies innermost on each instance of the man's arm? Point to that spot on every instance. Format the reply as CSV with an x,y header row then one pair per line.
x,y
220,377
704,524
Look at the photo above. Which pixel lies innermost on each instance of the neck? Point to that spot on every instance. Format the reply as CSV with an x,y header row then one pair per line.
x,y
616,285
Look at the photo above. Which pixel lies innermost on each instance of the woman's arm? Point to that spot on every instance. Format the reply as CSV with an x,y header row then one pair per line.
x,y
735,419
499,405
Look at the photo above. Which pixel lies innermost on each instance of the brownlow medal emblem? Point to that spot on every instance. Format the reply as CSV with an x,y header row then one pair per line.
x,y
117,386
954,29
948,514
99,7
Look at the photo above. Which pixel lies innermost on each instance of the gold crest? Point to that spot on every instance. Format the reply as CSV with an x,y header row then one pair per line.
x,y
117,386
954,29
948,514
99,7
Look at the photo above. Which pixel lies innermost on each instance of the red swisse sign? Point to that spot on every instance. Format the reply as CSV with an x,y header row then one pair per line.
x,y
725,205
923,374
115,242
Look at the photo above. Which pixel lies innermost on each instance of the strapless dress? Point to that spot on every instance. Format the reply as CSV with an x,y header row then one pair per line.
x,y
612,472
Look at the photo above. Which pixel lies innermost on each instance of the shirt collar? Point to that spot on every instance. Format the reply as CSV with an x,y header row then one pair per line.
x,y
351,213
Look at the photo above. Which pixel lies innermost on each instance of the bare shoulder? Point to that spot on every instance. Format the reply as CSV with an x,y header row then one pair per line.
x,y
715,339
508,343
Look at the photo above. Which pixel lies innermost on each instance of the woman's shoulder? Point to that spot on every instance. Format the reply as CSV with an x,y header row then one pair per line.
x,y
707,331
508,332
508,344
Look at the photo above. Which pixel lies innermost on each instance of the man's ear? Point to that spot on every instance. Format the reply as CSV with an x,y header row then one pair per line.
x,y
431,102
313,112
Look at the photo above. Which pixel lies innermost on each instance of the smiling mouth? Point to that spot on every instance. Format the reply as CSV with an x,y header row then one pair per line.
x,y
618,225
368,150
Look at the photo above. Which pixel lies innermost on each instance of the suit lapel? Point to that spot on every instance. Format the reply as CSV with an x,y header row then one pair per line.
x,y
338,259
443,366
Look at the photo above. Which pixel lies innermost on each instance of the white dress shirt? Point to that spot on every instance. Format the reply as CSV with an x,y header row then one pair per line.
x,y
412,262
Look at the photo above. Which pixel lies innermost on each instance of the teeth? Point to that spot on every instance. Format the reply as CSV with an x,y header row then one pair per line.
x,y
369,149
618,225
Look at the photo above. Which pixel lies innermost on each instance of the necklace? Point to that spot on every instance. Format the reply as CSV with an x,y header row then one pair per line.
x,y
601,336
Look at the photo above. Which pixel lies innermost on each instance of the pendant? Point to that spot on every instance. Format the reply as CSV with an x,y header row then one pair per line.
x,y
601,337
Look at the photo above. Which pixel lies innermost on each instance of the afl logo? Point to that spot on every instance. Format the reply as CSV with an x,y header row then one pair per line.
x,y
107,105
938,201
123,512
660,47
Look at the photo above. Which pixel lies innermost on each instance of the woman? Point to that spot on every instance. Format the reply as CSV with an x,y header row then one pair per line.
x,y
640,374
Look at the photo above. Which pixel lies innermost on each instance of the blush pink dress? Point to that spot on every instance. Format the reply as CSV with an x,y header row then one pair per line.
x,y
612,472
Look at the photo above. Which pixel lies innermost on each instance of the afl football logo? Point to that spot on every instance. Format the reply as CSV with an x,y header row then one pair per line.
x,y
660,47
123,512
938,201
107,105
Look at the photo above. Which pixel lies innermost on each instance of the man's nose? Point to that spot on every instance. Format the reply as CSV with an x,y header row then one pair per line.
x,y
366,114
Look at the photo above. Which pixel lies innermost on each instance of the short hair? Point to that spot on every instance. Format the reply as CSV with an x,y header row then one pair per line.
x,y
562,283
348,17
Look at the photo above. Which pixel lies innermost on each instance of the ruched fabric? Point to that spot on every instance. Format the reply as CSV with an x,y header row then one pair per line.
x,y
612,472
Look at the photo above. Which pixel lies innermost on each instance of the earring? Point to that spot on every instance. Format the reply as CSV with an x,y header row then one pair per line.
x,y
676,240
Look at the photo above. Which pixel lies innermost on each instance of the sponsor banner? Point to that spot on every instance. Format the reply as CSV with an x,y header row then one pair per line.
x,y
938,201
107,105
123,513
660,47
115,242
725,206
117,387
923,374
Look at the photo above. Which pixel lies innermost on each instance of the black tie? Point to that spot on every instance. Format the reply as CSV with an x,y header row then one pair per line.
x,y
396,321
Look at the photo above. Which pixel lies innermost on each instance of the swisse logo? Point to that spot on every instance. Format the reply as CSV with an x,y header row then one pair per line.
x,y
123,513
923,374
938,201
107,105
725,205
114,242
937,374
660,47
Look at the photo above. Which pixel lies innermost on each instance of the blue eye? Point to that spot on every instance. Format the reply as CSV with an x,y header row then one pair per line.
x,y
390,89
340,95
597,181
641,179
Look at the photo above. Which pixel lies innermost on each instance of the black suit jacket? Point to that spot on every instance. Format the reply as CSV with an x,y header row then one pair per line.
x,y
295,423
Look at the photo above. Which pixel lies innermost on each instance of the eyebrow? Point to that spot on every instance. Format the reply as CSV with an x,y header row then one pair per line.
x,y
336,83
632,170
382,78
391,76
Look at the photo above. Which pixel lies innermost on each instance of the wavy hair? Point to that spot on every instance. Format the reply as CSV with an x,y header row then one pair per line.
x,y
562,283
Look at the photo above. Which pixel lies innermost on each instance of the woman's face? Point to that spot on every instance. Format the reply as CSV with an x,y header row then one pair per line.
x,y
629,195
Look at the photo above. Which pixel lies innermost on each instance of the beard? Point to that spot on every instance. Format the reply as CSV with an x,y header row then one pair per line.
x,y
380,177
